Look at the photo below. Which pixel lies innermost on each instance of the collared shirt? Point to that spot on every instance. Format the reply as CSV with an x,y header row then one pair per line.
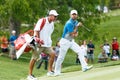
x,y
106,48
4,43
90,45
115,46
12,39
68,28
84,49
45,33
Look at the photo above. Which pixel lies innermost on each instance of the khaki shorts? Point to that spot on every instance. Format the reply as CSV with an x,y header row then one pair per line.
x,y
46,50
12,50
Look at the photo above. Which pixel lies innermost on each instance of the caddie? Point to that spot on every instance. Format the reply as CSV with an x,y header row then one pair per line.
x,y
45,35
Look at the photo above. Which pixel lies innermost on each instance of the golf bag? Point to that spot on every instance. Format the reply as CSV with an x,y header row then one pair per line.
x,y
21,40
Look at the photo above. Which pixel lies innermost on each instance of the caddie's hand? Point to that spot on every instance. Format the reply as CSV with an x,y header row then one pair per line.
x,y
41,42
79,24
38,40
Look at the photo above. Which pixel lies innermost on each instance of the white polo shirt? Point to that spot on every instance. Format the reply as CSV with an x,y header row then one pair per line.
x,y
106,48
84,49
45,33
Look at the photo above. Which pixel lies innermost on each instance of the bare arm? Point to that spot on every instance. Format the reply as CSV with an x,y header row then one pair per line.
x,y
36,34
75,33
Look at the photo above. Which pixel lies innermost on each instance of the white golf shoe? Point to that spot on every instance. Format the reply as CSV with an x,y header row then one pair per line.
x,y
31,77
50,73
57,74
88,68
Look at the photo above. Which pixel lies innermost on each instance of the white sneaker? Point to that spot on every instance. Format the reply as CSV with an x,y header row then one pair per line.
x,y
50,73
31,77
88,68
57,74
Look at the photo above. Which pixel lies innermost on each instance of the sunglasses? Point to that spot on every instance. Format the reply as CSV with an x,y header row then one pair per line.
x,y
55,16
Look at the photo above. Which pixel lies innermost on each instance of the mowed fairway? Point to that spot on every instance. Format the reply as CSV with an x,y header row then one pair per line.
x,y
103,73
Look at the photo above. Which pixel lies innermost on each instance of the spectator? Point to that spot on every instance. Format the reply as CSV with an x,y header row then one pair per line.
x,y
84,49
12,53
115,46
90,54
102,57
98,8
77,59
106,48
105,9
43,58
56,48
4,45
114,56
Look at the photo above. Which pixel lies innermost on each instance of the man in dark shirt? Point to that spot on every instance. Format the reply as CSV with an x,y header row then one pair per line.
x,y
91,48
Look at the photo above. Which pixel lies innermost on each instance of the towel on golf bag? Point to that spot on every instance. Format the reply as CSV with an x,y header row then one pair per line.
x,y
23,38
20,41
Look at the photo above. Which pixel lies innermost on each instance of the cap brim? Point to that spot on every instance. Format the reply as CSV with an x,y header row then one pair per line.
x,y
56,14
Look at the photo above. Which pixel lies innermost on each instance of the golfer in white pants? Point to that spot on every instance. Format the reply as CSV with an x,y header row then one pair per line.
x,y
67,41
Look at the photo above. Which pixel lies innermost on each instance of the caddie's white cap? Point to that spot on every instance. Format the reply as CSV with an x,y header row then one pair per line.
x,y
53,12
73,12
13,31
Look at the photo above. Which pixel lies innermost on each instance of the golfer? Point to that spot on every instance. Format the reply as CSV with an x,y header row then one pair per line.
x,y
67,41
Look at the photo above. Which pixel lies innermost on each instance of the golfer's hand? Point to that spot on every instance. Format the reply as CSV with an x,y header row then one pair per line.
x,y
74,34
79,24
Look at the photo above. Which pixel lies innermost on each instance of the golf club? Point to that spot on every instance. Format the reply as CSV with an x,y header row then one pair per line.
x,y
86,28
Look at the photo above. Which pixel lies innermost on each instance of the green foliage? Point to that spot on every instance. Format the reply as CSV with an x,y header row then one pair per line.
x,y
63,10
89,16
3,13
19,9
29,11
16,9
40,8
110,28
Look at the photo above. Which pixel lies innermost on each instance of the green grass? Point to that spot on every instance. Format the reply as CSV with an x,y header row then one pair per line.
x,y
110,28
102,73
16,70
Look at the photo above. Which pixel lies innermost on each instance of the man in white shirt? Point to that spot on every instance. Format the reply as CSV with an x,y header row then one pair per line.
x,y
45,35
106,48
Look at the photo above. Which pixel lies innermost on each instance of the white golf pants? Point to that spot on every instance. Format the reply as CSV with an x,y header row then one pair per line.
x,y
64,46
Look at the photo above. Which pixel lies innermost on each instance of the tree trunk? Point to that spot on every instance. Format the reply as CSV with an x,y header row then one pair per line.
x,y
14,25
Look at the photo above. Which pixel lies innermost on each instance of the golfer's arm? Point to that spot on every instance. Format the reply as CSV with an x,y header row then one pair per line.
x,y
74,34
78,25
